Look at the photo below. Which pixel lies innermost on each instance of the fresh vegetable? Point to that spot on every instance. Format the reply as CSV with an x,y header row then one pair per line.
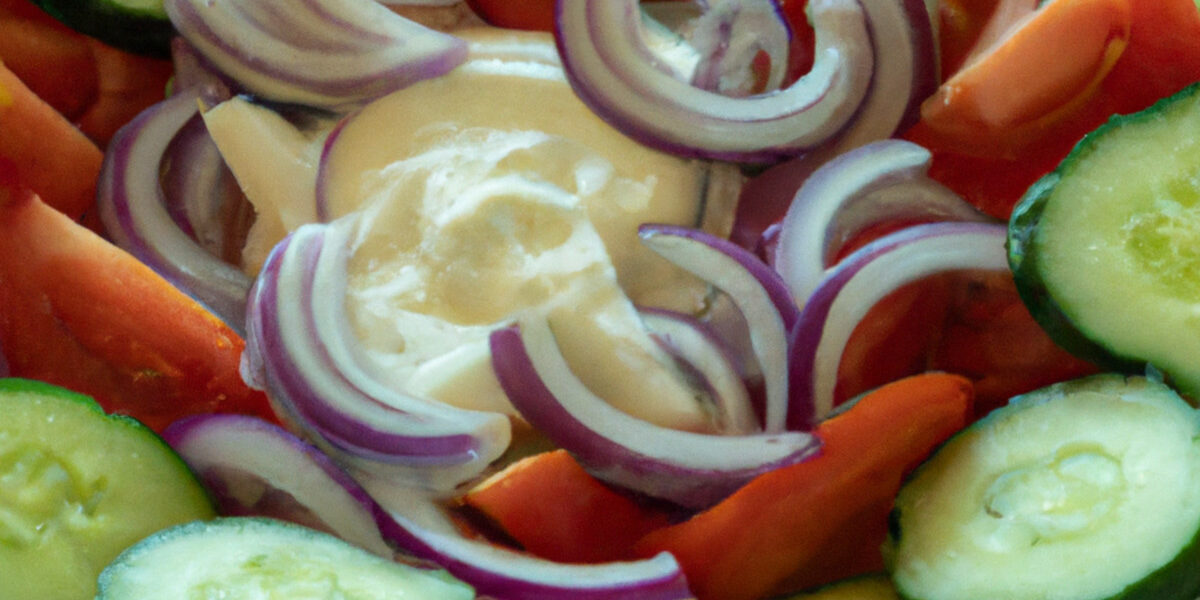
x,y
692,469
44,149
55,62
1005,98
1089,489
77,487
333,54
300,352
822,519
246,557
848,292
609,67
881,184
127,84
255,468
138,26
79,312
577,518
1161,57
132,205
534,15
759,294
1103,249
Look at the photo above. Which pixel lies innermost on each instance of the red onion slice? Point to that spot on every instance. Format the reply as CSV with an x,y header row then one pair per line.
x,y
757,291
420,528
299,347
691,469
255,468
905,71
131,204
874,184
850,290
713,366
613,70
729,36
334,54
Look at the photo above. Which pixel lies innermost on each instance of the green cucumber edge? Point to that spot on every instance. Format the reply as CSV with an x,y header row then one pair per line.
x,y
140,31
20,385
1023,224
1179,573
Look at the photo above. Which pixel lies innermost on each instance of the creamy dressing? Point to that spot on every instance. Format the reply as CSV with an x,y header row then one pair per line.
x,y
472,208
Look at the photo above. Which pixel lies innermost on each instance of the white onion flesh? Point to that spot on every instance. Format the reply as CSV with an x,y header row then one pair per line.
x,y
620,78
864,278
333,54
134,210
300,348
757,291
691,469
875,184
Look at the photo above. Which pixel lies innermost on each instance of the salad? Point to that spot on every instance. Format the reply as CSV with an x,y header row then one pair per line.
x,y
599,299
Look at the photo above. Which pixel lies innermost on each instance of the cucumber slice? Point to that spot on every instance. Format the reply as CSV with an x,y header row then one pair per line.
x,y
77,487
240,558
138,26
1105,250
1084,490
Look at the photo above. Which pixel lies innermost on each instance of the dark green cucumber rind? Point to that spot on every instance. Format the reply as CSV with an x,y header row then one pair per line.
x,y
1023,262
1032,289
145,32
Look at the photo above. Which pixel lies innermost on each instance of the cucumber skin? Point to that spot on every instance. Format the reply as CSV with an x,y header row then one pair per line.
x,y
16,386
147,33
1179,579
1024,264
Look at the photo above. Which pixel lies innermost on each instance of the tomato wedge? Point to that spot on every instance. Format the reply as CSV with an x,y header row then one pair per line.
x,y
78,312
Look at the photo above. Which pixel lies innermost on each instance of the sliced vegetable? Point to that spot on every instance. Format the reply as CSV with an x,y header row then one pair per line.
x,y
132,205
421,528
757,291
1088,488
575,517
822,519
869,275
139,26
128,84
48,153
1162,57
301,350
711,362
691,469
78,487
256,468
79,312
883,183
1104,249
56,64
1006,97
333,54
614,71
535,15
247,557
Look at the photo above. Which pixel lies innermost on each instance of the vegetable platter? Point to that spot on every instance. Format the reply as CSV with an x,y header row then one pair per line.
x,y
600,299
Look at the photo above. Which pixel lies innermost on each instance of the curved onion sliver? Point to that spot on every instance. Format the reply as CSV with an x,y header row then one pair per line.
x,y
850,290
299,347
691,469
